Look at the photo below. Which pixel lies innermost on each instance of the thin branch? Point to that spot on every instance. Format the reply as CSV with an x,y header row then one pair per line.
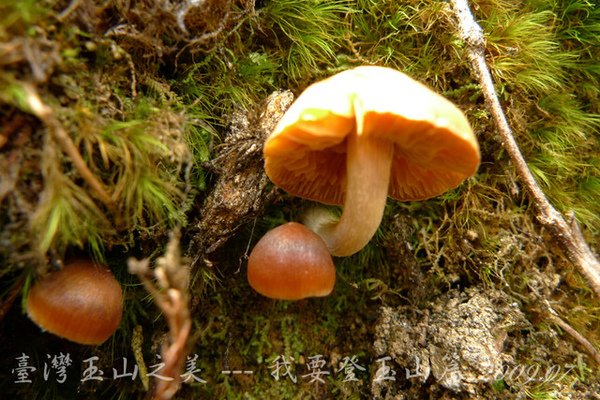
x,y
171,296
64,14
566,232
46,115
589,347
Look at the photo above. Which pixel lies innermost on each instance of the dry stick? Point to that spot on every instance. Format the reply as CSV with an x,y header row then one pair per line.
x,y
171,296
46,115
64,14
589,347
568,234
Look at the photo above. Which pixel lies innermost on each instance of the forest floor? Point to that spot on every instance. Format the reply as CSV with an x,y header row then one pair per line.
x,y
123,121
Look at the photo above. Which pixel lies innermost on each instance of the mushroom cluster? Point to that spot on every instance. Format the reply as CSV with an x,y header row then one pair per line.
x,y
361,135
83,302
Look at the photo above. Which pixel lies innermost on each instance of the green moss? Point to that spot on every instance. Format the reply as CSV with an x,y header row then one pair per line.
x,y
67,217
147,107
306,35
291,335
260,343
549,77
137,159
18,16
525,51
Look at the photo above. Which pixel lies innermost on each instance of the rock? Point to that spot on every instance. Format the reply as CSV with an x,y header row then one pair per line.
x,y
457,341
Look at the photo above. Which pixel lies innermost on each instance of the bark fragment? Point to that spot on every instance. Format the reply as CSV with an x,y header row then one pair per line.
x,y
240,191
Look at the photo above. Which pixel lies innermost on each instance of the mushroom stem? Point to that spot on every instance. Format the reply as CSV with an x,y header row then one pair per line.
x,y
368,164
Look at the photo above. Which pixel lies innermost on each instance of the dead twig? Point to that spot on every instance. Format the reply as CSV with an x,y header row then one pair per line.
x,y
171,296
47,116
64,14
566,232
589,347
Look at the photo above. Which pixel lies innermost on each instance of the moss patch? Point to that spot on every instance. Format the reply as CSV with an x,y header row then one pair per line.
x,y
164,101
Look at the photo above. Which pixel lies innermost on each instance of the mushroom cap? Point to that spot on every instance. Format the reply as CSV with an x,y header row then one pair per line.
x,y
83,302
291,262
434,146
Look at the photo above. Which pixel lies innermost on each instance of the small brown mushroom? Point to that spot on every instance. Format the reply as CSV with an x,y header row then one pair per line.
x,y
83,302
291,262
360,135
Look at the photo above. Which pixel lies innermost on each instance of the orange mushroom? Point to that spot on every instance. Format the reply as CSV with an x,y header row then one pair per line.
x,y
83,302
360,135
290,262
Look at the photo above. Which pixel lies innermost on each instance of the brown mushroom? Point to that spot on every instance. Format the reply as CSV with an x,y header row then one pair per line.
x,y
360,135
290,262
83,302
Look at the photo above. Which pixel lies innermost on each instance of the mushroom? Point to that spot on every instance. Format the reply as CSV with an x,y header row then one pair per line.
x,y
83,302
290,262
360,135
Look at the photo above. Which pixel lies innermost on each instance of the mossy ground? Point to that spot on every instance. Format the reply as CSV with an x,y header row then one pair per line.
x,y
147,92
